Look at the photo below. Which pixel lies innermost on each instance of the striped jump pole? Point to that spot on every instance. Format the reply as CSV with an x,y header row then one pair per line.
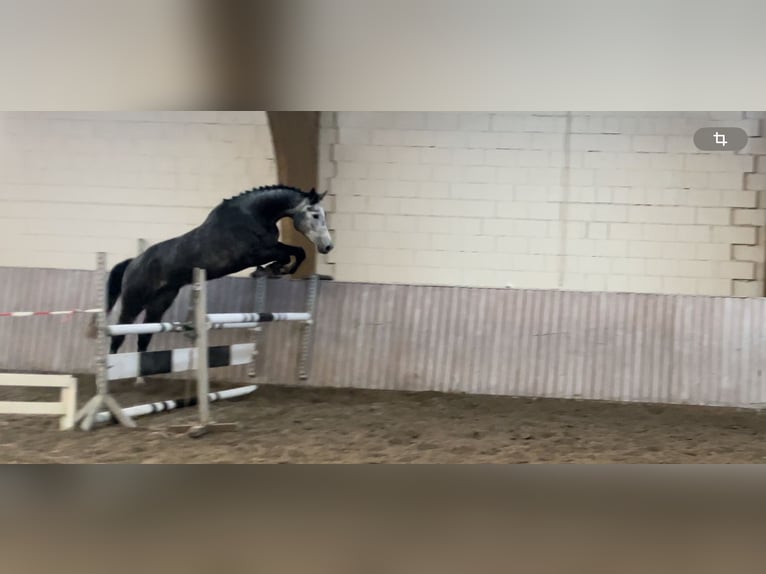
x,y
213,321
169,405
226,318
122,366
48,313
146,328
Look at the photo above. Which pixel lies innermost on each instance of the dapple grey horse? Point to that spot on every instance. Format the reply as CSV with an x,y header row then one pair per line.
x,y
239,233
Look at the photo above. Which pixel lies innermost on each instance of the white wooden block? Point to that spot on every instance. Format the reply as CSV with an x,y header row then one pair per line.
x,y
66,407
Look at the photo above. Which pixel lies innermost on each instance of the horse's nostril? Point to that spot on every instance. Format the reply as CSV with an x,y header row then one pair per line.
x,y
329,248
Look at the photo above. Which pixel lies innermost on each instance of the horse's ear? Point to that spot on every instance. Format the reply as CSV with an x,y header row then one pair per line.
x,y
321,195
313,197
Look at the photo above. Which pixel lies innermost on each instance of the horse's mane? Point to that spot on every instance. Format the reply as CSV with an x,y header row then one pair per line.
x,y
261,189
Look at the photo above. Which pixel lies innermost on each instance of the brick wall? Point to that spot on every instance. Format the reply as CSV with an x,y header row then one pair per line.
x,y
598,201
72,184
614,201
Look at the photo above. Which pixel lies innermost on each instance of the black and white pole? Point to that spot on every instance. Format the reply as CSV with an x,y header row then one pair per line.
x,y
172,404
102,398
216,321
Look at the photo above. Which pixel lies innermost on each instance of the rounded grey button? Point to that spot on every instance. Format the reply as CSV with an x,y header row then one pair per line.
x,y
720,139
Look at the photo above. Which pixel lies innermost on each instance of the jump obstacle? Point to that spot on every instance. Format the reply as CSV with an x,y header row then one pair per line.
x,y
200,358
111,367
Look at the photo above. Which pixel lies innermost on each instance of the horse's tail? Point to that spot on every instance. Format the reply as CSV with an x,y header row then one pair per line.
x,y
114,284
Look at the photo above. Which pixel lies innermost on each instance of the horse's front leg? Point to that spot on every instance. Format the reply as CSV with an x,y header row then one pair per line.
x,y
268,270
288,251
280,257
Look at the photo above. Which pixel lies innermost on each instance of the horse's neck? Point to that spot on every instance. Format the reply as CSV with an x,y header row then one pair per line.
x,y
271,205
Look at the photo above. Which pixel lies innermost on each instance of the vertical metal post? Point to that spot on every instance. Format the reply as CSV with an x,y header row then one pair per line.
x,y
102,398
199,295
307,335
255,338
102,341
142,245
201,329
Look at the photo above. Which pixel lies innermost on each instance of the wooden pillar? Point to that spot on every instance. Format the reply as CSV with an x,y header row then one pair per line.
x,y
296,140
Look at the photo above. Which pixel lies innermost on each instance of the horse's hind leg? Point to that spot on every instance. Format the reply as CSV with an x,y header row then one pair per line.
x,y
154,312
131,308
155,309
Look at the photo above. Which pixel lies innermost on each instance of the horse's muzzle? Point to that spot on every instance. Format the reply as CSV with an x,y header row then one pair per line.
x,y
325,249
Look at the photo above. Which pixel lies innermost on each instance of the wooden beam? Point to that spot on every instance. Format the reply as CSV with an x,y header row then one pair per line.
x,y
66,406
295,136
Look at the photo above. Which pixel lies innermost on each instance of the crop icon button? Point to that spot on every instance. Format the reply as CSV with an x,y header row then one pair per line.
x,y
720,139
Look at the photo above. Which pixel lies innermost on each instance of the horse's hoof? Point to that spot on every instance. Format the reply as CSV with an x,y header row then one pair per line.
x,y
260,272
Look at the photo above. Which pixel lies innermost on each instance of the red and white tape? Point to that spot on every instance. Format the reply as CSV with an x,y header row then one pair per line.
x,y
42,313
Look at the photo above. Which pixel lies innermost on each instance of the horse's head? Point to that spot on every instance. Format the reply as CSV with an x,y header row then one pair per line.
x,y
309,219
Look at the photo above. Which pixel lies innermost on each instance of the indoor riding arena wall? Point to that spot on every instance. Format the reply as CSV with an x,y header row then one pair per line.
x,y
684,349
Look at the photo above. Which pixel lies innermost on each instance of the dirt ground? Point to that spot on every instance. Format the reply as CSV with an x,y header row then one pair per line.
x,y
302,425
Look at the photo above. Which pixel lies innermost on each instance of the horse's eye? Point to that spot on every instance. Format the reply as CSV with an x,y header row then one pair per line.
x,y
316,216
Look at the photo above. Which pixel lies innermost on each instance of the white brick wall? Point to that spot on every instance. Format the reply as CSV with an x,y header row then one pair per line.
x,y
485,199
495,199
72,184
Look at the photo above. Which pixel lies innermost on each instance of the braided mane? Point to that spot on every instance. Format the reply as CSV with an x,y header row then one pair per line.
x,y
261,189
